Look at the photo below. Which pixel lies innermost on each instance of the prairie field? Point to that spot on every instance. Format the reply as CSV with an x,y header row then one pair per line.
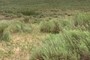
x,y
44,30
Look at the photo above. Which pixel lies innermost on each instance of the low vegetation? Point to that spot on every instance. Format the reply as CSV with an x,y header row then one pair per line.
x,y
8,27
50,26
82,21
70,45
44,30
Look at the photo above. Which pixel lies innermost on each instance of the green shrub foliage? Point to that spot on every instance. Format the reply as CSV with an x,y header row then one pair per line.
x,y
8,27
82,21
69,45
50,26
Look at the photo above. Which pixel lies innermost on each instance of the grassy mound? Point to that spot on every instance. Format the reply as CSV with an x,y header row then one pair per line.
x,y
8,27
70,45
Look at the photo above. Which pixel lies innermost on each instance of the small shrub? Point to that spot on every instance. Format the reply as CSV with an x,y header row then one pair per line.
x,y
50,26
26,19
82,21
51,49
66,24
26,28
6,35
70,45
17,26
3,24
28,12
19,15
9,27
55,25
35,20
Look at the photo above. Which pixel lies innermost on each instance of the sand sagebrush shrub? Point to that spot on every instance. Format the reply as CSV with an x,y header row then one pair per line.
x,y
70,45
82,21
26,19
19,27
78,43
50,26
56,25
6,35
9,27
28,12
50,49
3,25
66,24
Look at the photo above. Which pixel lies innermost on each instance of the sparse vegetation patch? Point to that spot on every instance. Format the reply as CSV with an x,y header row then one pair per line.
x,y
8,27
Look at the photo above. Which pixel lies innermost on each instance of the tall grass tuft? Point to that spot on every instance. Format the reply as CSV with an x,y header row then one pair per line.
x,y
82,21
9,27
56,25
50,26
69,45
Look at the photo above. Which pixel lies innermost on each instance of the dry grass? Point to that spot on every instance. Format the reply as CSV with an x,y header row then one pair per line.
x,y
20,45
19,48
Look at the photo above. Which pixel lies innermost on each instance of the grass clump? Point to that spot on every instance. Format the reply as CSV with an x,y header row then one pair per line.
x,y
50,49
82,21
55,25
28,12
6,35
19,27
9,27
70,45
26,19
50,26
66,24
